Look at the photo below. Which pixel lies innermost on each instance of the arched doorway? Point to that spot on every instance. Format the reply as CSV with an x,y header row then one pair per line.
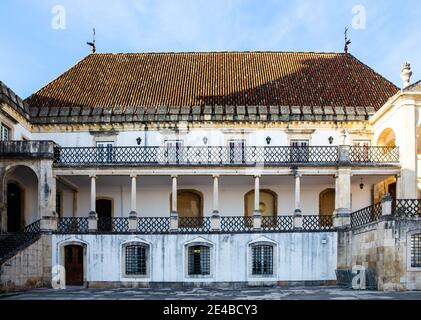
x,y
326,204
104,210
21,198
74,264
267,206
15,216
189,205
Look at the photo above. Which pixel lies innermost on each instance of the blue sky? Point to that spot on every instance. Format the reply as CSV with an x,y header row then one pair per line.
x,y
33,53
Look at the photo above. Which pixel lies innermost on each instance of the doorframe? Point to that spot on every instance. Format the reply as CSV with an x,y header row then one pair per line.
x,y
22,203
62,254
107,198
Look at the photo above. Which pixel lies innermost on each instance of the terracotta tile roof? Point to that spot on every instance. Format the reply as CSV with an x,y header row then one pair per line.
x,y
155,83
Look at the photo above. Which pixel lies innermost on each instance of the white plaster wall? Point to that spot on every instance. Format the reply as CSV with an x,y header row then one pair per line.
x,y
20,132
300,256
192,137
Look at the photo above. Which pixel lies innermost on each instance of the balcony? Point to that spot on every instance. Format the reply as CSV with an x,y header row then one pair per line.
x,y
192,225
225,156
27,149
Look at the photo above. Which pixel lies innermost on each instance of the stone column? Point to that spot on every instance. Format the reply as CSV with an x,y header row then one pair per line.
x,y
257,216
216,219
93,218
298,217
343,197
398,186
297,210
133,204
47,196
173,213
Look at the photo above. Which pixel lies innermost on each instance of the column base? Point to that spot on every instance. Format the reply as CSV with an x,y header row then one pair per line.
x,y
133,221
173,221
257,220
342,218
93,221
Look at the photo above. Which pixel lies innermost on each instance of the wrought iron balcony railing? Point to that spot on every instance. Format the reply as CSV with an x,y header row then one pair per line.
x,y
189,225
218,156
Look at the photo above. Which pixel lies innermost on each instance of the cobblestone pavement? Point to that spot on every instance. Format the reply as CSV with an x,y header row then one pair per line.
x,y
314,293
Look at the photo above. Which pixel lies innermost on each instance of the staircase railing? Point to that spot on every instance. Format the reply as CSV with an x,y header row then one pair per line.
x,y
13,243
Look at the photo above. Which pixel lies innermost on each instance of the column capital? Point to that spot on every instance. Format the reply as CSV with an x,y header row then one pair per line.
x,y
133,175
215,176
92,176
174,176
257,175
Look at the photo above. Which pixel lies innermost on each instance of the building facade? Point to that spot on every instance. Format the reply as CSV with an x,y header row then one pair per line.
x,y
256,168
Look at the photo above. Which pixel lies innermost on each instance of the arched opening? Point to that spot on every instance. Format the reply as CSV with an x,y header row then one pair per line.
x,y
104,210
267,206
326,205
21,198
387,138
189,205
74,264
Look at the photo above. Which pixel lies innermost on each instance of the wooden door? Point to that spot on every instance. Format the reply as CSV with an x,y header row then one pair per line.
x,y
74,265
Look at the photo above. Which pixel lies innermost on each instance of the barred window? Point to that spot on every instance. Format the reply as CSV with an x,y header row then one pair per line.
x,y
199,260
416,250
136,260
262,260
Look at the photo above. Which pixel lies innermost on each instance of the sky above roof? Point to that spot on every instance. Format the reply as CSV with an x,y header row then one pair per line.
x,y
41,39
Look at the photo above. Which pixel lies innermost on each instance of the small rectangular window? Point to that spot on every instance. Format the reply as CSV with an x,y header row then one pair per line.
x,y
105,151
199,260
4,132
416,250
262,260
136,260
299,151
237,151
173,150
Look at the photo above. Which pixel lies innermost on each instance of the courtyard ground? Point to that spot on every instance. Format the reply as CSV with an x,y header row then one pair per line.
x,y
313,293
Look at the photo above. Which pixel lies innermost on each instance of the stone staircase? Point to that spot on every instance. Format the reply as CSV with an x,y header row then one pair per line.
x,y
12,243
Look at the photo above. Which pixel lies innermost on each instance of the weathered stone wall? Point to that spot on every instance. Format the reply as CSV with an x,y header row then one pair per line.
x,y
29,268
383,247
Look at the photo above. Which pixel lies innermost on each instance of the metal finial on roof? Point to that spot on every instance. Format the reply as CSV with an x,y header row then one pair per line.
x,y
92,44
347,41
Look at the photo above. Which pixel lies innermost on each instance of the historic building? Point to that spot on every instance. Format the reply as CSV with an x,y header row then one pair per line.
x,y
226,168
